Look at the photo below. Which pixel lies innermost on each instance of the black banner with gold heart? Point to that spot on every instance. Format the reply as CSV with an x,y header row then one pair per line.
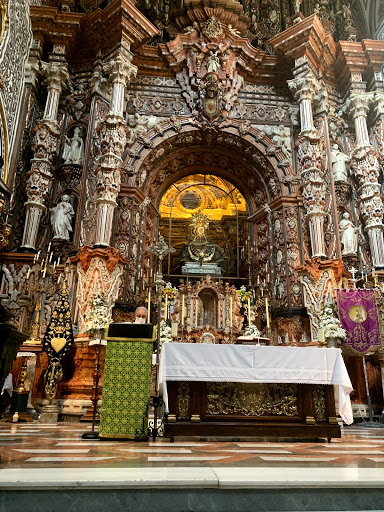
x,y
57,341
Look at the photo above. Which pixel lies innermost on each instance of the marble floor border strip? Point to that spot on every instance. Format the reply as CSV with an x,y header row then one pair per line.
x,y
264,477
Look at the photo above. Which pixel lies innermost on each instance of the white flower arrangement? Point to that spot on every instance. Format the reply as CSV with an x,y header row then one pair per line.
x,y
330,323
98,315
165,332
252,330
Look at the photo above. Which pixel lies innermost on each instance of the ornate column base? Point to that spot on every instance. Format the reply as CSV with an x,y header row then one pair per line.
x,y
97,269
320,280
50,413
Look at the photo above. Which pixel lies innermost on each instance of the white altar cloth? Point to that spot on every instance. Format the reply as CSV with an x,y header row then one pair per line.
x,y
254,363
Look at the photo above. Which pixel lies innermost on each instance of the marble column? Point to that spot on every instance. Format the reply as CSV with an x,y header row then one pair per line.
x,y
365,168
310,149
44,147
112,132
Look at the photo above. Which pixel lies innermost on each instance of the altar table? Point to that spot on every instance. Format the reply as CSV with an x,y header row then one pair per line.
x,y
253,390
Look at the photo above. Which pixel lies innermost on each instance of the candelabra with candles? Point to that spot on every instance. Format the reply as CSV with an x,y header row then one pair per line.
x,y
160,249
42,269
246,255
266,297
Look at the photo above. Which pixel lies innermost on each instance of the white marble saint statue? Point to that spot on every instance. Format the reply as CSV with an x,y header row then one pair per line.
x,y
61,216
348,235
339,161
73,152
212,62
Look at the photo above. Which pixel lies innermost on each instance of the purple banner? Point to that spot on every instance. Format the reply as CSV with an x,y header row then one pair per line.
x,y
358,316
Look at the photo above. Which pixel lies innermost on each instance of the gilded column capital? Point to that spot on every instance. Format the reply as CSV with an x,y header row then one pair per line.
x,y
56,74
357,105
32,70
120,70
304,87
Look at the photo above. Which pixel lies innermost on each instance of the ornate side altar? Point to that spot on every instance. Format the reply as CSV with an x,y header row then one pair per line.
x,y
232,390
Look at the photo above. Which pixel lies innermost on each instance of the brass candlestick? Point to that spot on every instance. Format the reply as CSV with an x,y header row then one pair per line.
x,y
41,270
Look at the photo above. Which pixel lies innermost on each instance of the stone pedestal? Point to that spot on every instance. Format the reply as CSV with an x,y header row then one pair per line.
x,y
49,413
204,269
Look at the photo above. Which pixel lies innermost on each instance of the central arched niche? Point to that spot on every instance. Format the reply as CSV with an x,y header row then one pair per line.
x,y
224,210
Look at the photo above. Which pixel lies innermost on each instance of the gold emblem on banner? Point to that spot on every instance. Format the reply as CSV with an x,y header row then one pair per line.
x,y
58,343
357,314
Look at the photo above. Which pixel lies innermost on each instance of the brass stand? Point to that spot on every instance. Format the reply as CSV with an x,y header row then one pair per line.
x,y
19,401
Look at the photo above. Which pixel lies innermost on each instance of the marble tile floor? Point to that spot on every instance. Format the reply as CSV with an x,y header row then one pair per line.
x,y
24,446
347,474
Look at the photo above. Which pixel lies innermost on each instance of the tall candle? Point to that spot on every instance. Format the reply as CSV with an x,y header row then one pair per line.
x,y
182,309
230,310
166,307
149,306
249,311
267,311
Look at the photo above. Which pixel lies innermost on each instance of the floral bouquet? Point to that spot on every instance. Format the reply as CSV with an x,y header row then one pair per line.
x,y
244,295
330,323
98,315
169,291
165,333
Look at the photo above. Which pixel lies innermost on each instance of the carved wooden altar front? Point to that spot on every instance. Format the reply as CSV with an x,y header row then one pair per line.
x,y
257,410
211,312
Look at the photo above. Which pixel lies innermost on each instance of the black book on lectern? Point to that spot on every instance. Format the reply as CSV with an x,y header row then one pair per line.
x,y
130,332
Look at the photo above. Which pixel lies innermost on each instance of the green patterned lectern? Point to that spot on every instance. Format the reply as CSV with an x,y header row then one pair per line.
x,y
127,381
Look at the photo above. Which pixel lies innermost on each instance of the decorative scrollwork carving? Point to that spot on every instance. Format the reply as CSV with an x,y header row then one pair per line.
x,y
319,402
252,399
183,396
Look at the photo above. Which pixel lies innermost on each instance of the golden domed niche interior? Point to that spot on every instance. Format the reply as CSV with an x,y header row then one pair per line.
x,y
211,195
225,209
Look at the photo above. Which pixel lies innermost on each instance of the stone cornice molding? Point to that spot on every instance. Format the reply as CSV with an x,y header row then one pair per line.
x,y
307,38
84,35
